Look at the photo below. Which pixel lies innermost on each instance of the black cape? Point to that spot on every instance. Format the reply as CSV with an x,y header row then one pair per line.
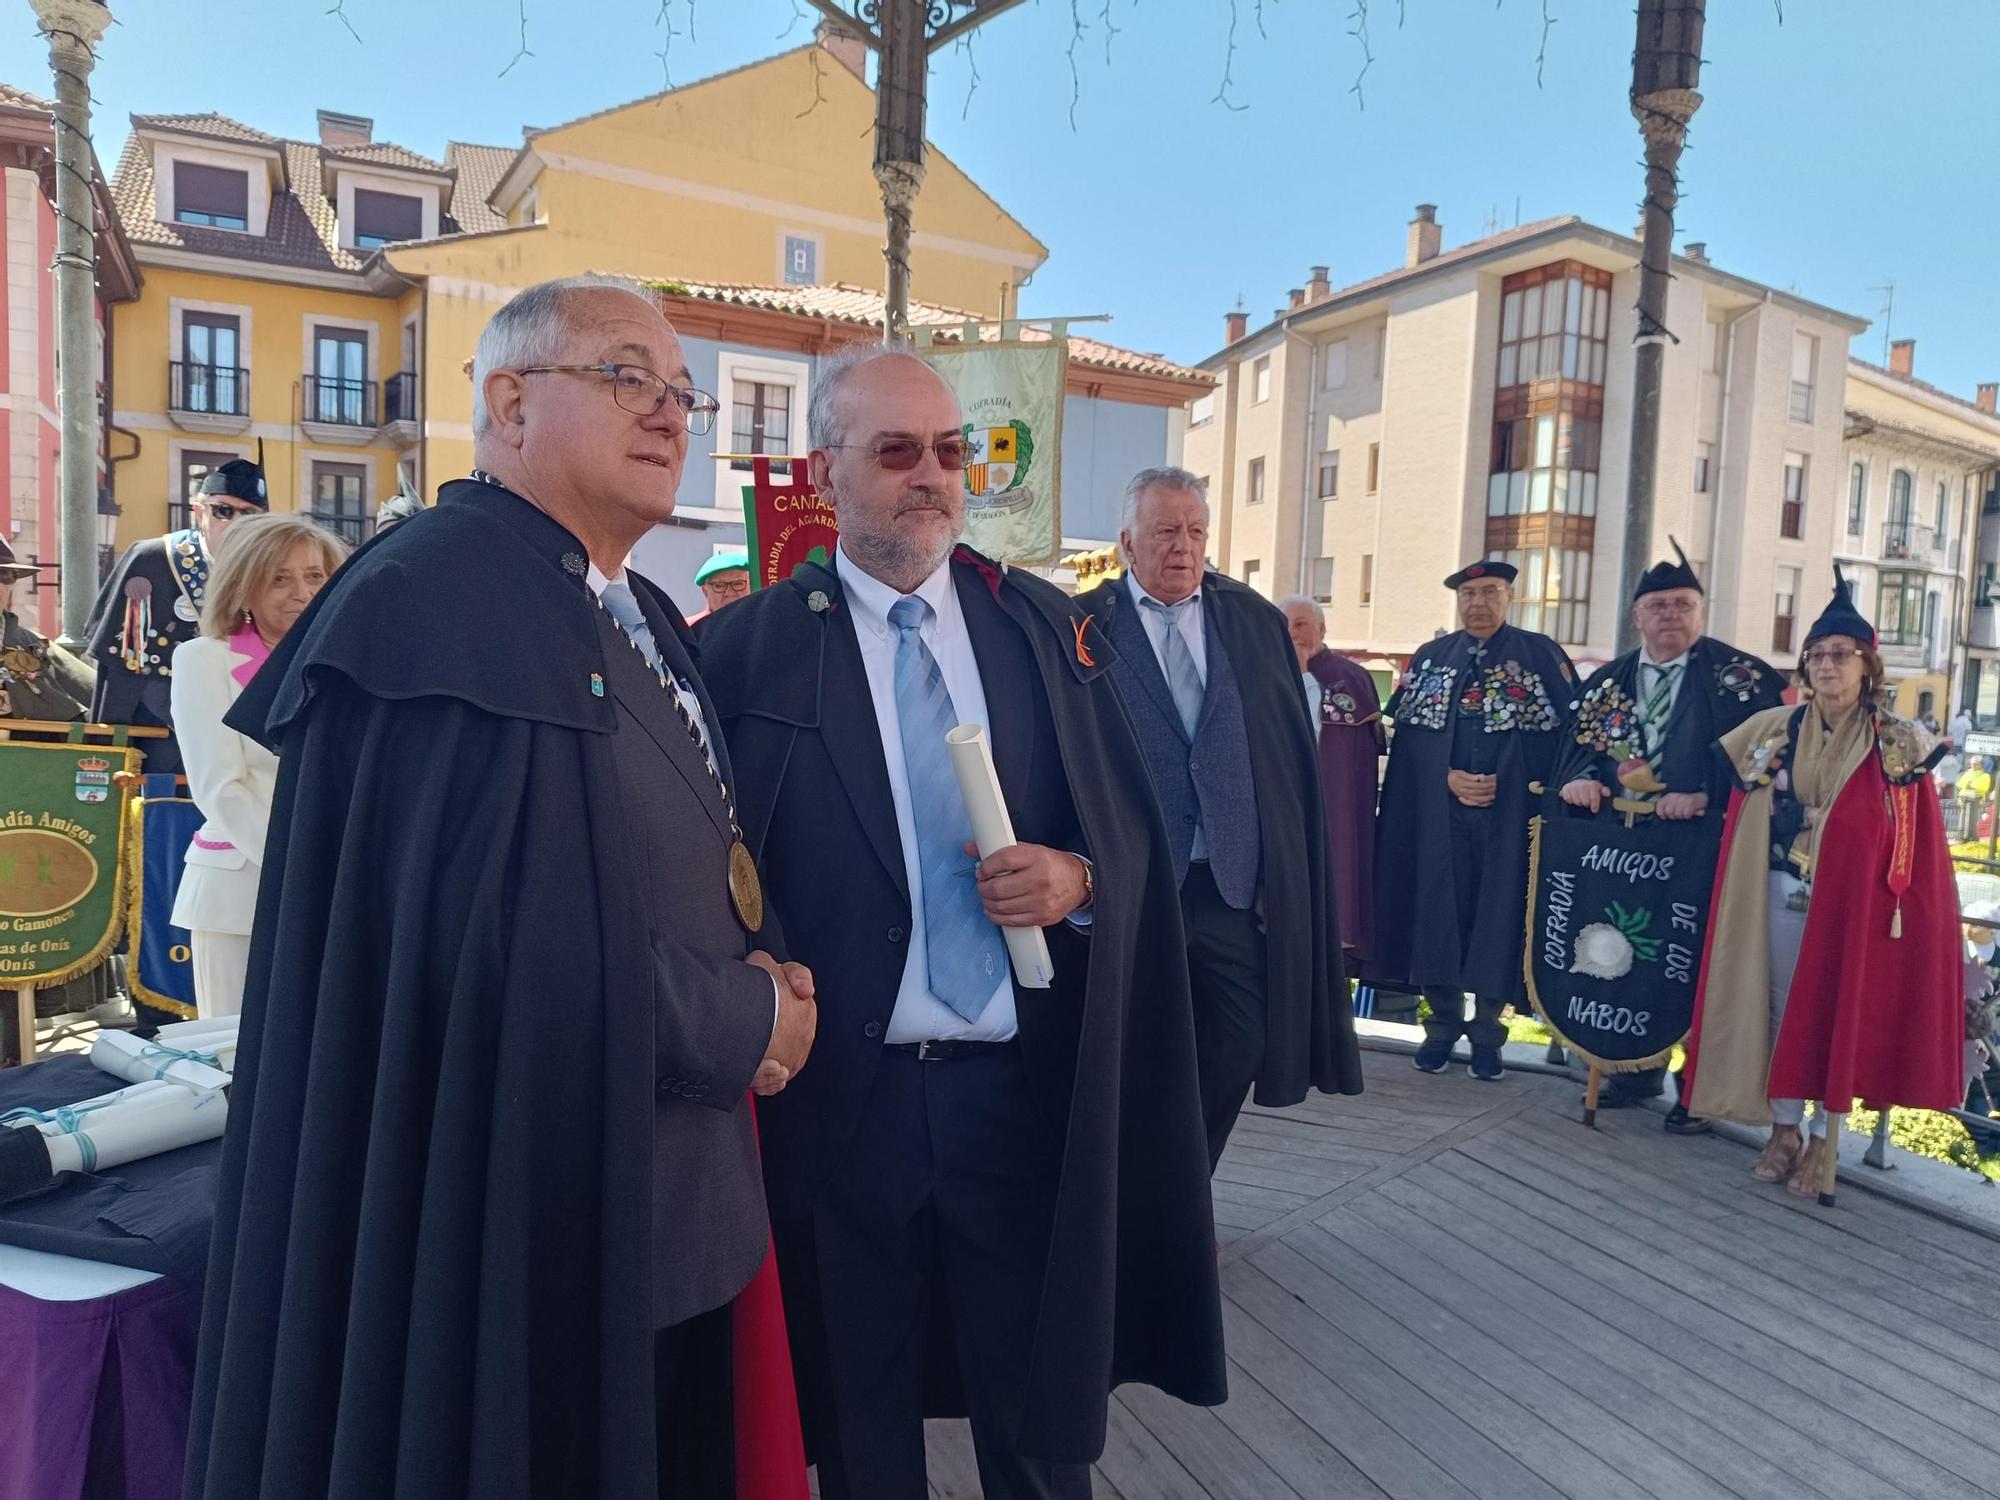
x,y
431,1266
1722,687
1526,683
1309,1022
125,695
1131,1291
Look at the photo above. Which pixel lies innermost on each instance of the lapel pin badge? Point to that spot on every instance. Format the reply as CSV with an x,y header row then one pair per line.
x,y
597,684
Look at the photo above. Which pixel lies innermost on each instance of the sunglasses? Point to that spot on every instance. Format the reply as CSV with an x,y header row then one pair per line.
x,y
902,454
223,511
1830,658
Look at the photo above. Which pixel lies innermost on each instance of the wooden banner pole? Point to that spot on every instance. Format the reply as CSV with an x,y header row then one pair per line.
x,y
1590,1097
24,1016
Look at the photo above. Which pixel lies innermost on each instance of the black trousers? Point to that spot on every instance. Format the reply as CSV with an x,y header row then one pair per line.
x,y
1227,970
1447,1023
694,1402
940,1214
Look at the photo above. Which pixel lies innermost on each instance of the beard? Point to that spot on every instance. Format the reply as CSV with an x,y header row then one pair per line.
x,y
905,556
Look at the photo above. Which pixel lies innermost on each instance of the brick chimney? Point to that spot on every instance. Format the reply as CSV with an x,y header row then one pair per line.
x,y
1425,238
1903,356
1234,325
337,130
1318,288
1696,250
846,48
1989,395
1297,296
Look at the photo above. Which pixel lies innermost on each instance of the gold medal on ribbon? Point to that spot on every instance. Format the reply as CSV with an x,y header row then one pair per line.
x,y
745,889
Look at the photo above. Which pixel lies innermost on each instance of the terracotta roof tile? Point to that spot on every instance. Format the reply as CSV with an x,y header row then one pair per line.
x,y
480,169
1922,385
384,154
208,123
19,98
843,303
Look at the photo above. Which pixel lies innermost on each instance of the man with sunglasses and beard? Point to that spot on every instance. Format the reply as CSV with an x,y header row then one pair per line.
x,y
988,1197
152,602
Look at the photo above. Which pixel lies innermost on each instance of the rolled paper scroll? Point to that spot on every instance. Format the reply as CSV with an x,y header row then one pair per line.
x,y
156,1122
140,1061
993,830
216,1034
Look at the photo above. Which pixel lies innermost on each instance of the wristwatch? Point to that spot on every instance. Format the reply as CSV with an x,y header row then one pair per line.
x,y
1089,882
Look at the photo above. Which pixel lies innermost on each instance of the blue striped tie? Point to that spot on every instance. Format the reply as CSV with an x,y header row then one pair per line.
x,y
967,955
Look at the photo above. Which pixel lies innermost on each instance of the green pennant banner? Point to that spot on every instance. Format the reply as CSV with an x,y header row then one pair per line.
x,y
60,837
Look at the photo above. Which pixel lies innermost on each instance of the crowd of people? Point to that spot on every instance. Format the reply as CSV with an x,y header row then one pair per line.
x,y
519,937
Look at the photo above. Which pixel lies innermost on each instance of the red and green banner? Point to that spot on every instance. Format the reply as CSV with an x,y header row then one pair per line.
x,y
787,520
60,839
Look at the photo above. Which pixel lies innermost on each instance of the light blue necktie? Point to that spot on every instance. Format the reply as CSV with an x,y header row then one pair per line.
x,y
624,608
967,954
1182,678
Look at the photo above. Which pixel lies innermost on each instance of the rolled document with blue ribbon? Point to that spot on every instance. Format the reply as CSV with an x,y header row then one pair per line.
x,y
993,830
217,1034
140,1061
139,1127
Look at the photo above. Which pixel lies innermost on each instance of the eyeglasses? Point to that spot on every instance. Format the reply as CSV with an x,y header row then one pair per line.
x,y
901,454
1830,656
222,510
642,393
1665,607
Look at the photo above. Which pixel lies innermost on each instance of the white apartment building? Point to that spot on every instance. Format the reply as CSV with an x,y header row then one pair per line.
x,y
1920,477
1369,440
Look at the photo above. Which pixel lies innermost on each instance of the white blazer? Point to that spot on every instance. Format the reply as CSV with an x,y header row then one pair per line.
x,y
231,780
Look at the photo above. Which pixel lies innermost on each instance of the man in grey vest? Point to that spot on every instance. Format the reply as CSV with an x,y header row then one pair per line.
x,y
1199,658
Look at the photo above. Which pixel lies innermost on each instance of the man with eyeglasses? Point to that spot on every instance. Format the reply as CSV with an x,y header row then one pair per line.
x,y
1683,690
490,1219
152,602
1480,715
1012,1174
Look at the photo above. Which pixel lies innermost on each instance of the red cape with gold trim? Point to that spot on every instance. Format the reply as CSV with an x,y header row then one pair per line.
x,y
1872,1015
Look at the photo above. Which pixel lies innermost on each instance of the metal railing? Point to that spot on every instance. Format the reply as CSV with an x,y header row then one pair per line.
x,y
340,403
349,527
210,390
1906,541
399,397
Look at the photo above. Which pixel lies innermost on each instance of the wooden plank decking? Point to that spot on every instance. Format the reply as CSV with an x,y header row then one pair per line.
x,y
1449,1290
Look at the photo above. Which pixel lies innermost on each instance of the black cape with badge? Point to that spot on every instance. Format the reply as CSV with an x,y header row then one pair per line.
x,y
1504,712
1309,1024
1130,1292
431,1265
149,605
1722,688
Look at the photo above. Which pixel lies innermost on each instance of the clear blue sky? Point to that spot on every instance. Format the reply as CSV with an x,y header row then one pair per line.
x,y
1848,146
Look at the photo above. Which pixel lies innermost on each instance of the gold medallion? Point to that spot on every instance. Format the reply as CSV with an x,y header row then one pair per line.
x,y
745,889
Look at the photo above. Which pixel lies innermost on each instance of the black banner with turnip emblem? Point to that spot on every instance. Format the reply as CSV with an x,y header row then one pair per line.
x,y
1616,922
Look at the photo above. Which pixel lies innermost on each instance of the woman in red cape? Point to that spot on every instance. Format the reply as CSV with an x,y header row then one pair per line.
x,y
1832,967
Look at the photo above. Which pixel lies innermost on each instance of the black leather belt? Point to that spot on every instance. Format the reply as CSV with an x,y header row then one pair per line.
x,y
945,1051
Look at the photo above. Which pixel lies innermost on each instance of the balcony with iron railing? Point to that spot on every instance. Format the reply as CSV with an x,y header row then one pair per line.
x,y
339,411
208,398
1905,541
399,409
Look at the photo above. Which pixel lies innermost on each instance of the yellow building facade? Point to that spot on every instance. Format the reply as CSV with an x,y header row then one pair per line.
x,y
323,298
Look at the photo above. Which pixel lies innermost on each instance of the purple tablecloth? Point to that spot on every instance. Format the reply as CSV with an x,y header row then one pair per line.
x,y
96,1392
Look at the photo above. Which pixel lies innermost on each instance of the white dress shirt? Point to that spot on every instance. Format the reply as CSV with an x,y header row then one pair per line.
x,y
1315,696
919,1016
1655,733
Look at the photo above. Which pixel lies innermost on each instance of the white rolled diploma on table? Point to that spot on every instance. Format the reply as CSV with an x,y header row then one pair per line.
x,y
216,1034
130,1058
993,830
148,1124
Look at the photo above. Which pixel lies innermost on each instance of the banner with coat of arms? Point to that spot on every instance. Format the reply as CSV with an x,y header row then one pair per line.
x,y
61,832
1010,391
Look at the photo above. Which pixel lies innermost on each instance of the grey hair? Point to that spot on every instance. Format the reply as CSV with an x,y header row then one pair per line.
x,y
529,330
1167,476
823,427
1304,599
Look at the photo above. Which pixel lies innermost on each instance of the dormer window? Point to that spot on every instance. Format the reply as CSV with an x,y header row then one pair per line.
x,y
214,197
386,218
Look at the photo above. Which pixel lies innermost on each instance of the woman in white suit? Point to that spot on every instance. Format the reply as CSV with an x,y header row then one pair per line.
x,y
266,572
